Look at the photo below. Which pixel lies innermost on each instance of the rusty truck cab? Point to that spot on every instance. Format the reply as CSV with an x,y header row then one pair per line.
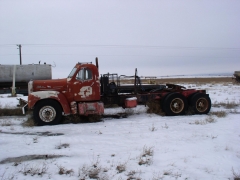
x,y
83,83
79,93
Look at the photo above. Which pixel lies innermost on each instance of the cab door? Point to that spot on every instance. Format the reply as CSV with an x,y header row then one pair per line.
x,y
85,85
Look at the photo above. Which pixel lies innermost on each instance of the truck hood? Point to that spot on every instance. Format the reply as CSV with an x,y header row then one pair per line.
x,y
50,85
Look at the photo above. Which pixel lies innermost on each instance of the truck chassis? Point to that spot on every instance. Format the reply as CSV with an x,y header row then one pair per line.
x,y
173,99
83,92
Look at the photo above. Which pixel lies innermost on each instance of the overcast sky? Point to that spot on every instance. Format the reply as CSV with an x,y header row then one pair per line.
x,y
159,37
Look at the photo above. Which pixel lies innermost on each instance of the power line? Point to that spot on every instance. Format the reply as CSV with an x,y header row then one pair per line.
x,y
123,46
131,55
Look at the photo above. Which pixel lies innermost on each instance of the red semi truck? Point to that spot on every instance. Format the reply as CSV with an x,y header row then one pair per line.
x,y
84,92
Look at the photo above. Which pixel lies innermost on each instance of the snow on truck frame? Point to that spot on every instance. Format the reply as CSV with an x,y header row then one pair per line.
x,y
83,92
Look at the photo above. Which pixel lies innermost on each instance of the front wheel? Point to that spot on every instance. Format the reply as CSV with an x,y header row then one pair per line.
x,y
47,112
175,104
200,103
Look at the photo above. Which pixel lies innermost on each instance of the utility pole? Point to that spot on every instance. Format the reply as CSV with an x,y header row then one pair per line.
x,y
20,52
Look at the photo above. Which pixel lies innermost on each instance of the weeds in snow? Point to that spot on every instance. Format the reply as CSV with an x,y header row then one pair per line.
x,y
219,114
146,156
170,173
153,128
209,119
157,176
166,126
93,171
35,140
64,145
34,170
147,151
213,137
133,175
199,122
62,170
167,173
10,176
121,167
236,176
83,172
227,105
6,123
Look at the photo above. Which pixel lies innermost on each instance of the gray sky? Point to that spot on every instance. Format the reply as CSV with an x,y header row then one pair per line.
x,y
159,37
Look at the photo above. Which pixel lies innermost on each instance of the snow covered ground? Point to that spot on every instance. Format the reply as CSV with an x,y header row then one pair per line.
x,y
141,146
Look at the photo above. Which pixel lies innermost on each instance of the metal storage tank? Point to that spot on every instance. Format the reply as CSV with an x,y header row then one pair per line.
x,y
25,73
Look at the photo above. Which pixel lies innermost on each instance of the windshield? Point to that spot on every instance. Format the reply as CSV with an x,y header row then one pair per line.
x,y
72,72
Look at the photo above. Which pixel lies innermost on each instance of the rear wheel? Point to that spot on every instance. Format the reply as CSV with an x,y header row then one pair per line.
x,y
47,112
175,104
200,103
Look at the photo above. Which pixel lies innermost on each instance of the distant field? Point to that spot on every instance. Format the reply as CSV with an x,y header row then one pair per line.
x,y
197,80
186,80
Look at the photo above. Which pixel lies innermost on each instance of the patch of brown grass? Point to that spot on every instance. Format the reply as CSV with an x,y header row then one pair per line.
x,y
11,112
75,119
29,123
219,114
227,105
210,119
155,107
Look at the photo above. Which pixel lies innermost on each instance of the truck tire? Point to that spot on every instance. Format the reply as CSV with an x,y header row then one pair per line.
x,y
175,104
200,103
162,101
47,112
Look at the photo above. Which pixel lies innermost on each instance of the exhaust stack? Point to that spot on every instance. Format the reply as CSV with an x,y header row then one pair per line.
x,y
96,62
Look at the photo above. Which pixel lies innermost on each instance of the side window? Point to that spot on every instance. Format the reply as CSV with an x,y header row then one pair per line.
x,y
84,74
80,75
88,74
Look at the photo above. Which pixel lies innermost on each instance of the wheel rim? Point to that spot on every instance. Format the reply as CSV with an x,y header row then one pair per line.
x,y
177,105
47,113
202,104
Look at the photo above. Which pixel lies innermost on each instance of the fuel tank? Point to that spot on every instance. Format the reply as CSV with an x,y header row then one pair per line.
x,y
25,73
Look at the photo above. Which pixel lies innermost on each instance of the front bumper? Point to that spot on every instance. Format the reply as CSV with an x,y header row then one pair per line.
x,y
24,104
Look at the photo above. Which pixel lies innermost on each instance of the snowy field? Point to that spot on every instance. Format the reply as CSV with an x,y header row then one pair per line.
x,y
141,146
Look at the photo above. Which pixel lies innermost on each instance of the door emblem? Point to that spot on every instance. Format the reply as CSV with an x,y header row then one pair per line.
x,y
85,91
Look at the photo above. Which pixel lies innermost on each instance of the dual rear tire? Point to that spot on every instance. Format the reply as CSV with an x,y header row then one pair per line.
x,y
200,103
175,104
